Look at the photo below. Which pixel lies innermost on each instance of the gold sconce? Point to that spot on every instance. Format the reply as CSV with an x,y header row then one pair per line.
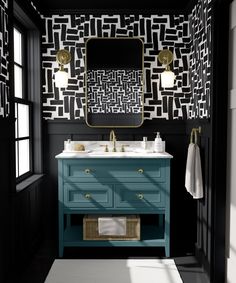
x,y
165,57
63,57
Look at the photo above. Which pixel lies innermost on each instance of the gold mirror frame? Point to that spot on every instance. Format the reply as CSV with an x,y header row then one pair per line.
x,y
86,93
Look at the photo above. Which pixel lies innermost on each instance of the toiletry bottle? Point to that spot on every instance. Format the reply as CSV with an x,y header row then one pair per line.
x,y
144,143
158,143
68,146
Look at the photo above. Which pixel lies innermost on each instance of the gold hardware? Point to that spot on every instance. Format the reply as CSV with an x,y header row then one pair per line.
x,y
63,57
140,171
113,140
123,147
194,133
165,57
87,196
87,171
86,86
140,196
106,147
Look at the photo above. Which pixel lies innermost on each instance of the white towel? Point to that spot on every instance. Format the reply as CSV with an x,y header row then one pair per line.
x,y
193,175
112,226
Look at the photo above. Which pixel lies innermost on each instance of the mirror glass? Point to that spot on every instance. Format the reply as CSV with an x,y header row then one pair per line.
x,y
114,82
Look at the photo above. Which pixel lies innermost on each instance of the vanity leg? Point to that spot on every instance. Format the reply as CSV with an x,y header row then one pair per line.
x,y
60,231
167,234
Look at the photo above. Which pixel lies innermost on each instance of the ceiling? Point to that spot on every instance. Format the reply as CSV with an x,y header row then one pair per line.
x,y
52,6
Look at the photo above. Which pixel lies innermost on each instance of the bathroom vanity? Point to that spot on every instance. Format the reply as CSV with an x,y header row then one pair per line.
x,y
114,183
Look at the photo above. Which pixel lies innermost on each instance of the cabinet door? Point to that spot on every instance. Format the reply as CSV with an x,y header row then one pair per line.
x,y
146,196
89,195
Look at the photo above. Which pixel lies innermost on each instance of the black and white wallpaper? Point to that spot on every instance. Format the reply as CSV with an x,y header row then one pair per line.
x,y
114,91
189,37
200,64
4,74
157,32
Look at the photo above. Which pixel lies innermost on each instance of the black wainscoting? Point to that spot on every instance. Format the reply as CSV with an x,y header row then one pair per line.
x,y
5,196
205,233
183,207
21,213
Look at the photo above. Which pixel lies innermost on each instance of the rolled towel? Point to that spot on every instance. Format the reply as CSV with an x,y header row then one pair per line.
x,y
112,226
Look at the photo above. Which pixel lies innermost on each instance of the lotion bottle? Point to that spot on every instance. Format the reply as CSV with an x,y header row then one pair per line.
x,y
158,143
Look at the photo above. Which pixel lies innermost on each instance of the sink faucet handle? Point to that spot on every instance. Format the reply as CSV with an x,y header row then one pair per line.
x,y
106,147
123,147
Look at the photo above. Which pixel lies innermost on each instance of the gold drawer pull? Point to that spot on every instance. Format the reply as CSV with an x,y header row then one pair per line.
x,y
140,196
140,171
87,171
87,196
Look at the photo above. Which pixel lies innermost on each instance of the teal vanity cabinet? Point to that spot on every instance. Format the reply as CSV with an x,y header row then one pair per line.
x,y
120,186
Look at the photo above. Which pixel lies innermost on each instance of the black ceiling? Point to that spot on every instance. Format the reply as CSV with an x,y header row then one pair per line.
x,y
52,6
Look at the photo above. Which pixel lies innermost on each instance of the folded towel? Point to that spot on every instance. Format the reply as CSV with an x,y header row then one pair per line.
x,y
112,226
193,174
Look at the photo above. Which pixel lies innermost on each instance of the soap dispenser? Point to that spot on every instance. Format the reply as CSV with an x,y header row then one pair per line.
x,y
158,143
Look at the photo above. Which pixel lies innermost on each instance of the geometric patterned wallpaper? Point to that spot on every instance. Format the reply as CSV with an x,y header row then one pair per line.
x,y
189,38
157,32
114,91
200,64
4,73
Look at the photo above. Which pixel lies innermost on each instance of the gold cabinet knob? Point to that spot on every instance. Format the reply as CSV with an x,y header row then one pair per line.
x,y
140,196
87,196
140,170
87,171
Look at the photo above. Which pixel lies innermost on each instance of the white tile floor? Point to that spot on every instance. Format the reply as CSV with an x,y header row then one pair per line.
x,y
115,271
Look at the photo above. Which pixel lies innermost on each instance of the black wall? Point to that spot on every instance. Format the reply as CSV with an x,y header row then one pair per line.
x,y
6,203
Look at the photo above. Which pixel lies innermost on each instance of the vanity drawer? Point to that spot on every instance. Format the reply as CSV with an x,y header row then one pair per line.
x,y
144,195
96,170
89,195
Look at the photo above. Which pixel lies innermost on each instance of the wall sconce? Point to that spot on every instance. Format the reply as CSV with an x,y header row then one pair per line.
x,y
165,57
63,57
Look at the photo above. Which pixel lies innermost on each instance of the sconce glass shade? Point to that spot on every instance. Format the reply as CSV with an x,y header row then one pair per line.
x,y
165,57
63,57
167,79
61,79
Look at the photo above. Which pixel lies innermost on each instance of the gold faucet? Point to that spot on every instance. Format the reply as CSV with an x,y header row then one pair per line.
x,y
113,140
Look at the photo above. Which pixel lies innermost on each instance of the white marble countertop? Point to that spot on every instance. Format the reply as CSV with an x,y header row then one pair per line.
x,y
95,149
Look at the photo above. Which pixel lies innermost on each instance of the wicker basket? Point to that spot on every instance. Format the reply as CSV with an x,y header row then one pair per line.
x,y
90,229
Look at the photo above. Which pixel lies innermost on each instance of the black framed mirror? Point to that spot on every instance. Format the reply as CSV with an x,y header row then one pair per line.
x,y
114,82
